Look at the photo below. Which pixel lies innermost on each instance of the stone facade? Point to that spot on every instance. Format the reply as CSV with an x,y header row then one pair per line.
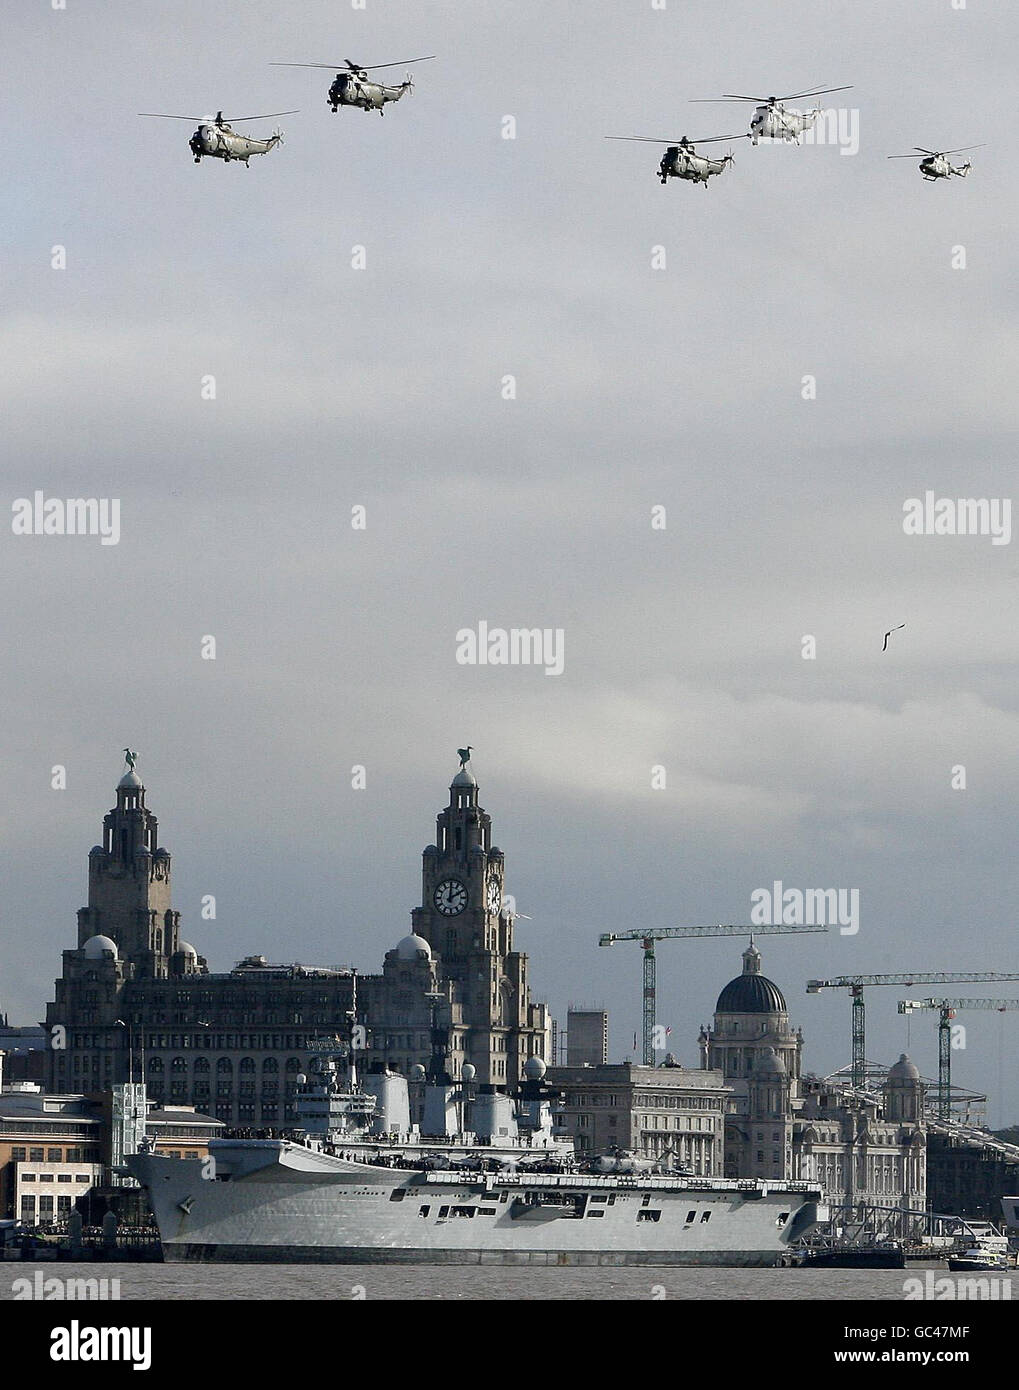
x,y
136,1001
863,1147
666,1112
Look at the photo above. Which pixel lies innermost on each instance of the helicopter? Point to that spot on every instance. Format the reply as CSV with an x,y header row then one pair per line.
x,y
681,160
937,165
218,140
772,120
353,88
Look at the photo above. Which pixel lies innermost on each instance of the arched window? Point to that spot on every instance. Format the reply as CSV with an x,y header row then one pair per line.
x,y
224,1065
201,1064
156,1064
247,1064
270,1065
179,1064
293,1064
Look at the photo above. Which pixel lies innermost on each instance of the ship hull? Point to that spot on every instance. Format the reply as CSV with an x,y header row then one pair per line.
x,y
181,1253
281,1204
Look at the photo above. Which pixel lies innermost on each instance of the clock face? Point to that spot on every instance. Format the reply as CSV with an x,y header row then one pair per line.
x,y
450,897
494,895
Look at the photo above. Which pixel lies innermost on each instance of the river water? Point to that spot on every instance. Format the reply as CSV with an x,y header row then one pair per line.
x,y
196,1281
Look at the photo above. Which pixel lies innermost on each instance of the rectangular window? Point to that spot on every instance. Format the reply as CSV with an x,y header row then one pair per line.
x,y
705,1216
36,1155
18,1155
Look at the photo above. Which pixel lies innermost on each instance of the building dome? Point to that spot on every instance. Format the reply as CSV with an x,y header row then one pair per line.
x,y
534,1068
96,849
751,992
903,1070
187,949
464,778
130,779
411,947
417,1072
162,852
769,1064
96,945
468,1071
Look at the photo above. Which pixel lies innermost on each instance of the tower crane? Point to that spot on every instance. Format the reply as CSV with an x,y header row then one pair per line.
x,y
647,940
857,983
948,1009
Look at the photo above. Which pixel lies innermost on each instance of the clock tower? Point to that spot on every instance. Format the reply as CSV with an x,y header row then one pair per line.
x,y
468,925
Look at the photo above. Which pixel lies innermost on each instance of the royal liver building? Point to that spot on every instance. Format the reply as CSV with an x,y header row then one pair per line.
x,y
135,999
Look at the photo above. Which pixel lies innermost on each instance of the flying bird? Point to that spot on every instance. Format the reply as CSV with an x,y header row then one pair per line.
x,y
889,633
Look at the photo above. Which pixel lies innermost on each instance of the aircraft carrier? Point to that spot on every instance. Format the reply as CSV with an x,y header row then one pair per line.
x,y
361,1185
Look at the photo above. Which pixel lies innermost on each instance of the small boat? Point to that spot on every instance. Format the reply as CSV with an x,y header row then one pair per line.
x,y
877,1254
984,1250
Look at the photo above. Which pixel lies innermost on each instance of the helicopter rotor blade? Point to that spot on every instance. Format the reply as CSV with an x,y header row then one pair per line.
x,y
266,115
963,148
162,115
766,101
650,139
377,67
354,67
815,92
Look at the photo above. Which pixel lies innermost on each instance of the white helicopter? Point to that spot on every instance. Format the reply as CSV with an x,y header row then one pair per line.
x,y
353,87
773,120
937,165
681,160
218,140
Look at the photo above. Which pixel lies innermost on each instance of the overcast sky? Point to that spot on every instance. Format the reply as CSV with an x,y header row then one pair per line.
x,y
636,388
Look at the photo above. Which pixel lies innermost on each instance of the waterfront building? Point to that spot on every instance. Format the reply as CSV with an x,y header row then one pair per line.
x,y
969,1171
863,1146
666,1112
587,1037
135,1001
57,1149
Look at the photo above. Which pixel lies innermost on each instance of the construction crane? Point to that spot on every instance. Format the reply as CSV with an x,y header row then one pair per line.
x,y
948,1008
647,940
857,983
